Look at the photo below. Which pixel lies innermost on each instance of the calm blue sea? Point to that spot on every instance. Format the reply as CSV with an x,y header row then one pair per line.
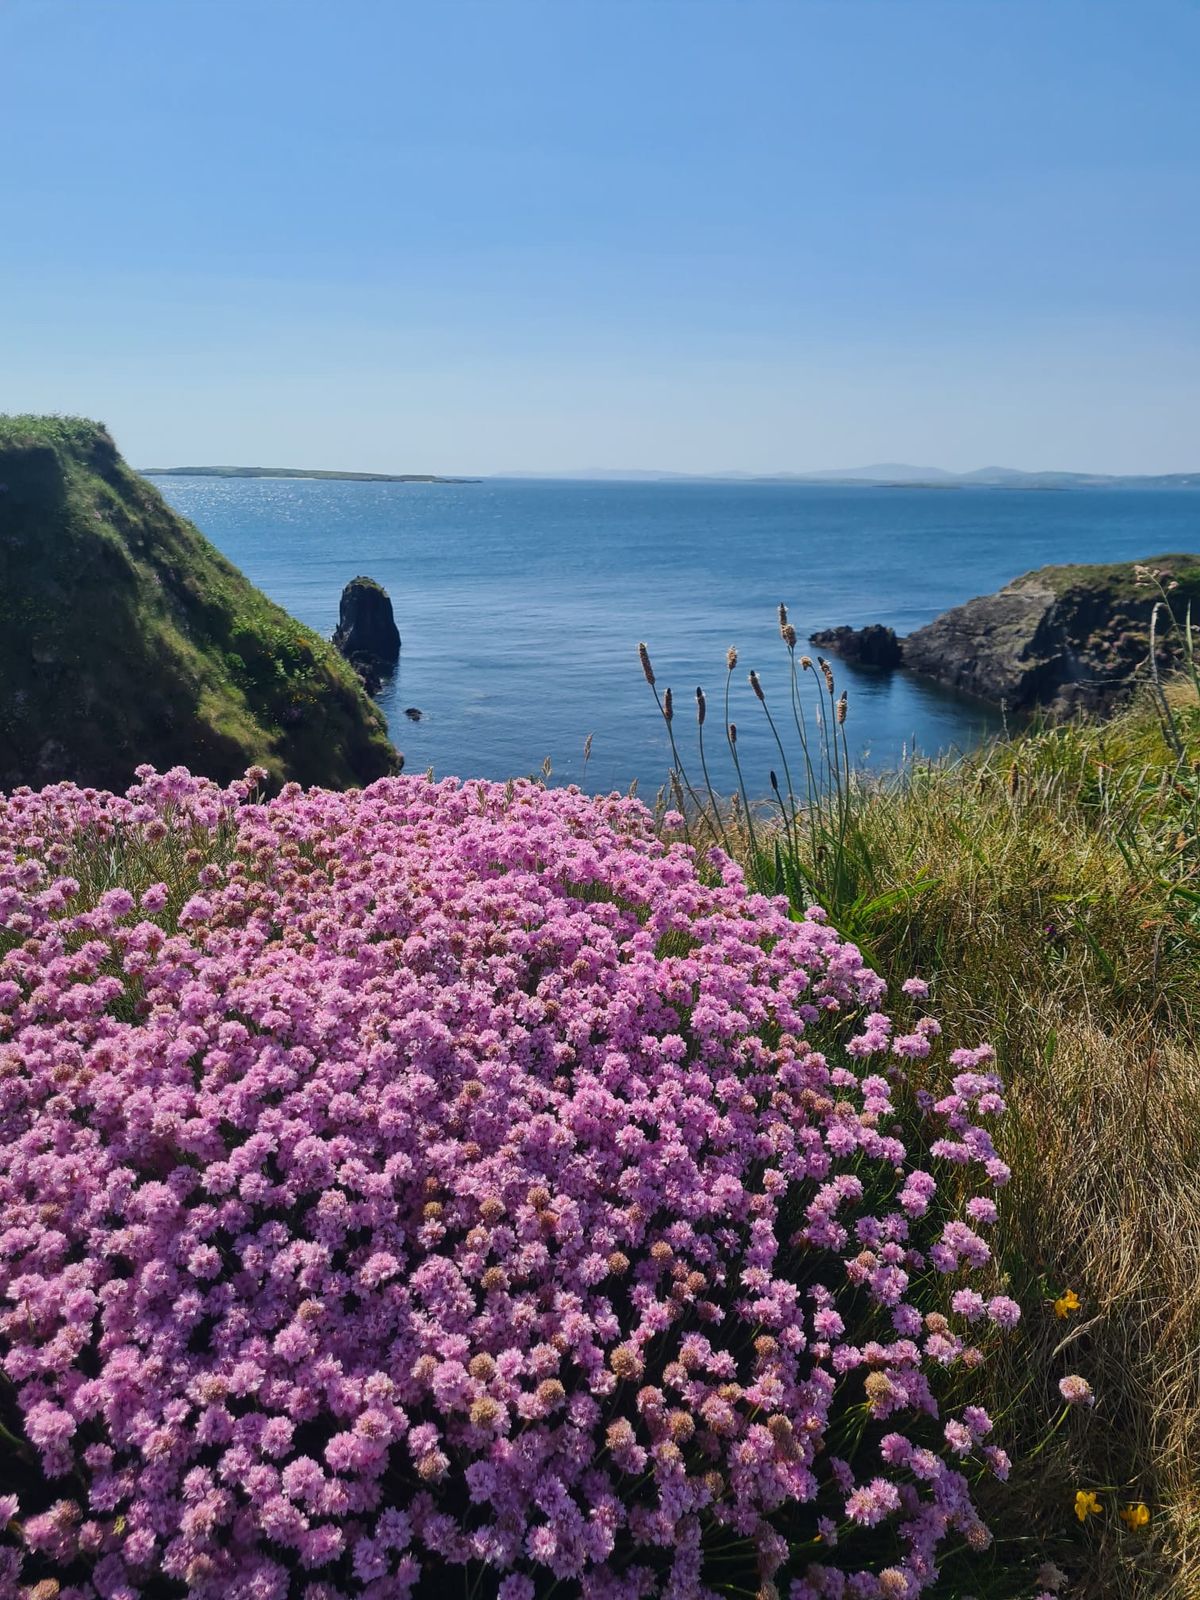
x,y
521,604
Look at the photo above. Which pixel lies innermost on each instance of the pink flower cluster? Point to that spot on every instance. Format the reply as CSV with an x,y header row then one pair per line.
x,y
457,1177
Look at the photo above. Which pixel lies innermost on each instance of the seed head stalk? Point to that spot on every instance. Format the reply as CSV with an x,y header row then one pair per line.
x,y
828,741
812,787
1170,731
666,711
801,722
701,710
828,812
731,740
788,821
833,726
731,660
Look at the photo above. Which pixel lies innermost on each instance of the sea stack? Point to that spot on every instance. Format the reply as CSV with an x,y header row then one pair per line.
x,y
366,633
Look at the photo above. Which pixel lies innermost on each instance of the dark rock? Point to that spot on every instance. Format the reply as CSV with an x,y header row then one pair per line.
x,y
1067,639
369,674
366,633
412,713
872,646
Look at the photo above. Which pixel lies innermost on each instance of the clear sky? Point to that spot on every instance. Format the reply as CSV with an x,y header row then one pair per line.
x,y
498,235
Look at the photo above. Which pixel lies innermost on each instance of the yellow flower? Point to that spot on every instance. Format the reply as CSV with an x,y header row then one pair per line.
x,y
1136,1515
1086,1505
1066,1304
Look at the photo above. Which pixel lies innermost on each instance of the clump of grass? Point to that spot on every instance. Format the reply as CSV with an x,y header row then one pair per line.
x,y
1049,886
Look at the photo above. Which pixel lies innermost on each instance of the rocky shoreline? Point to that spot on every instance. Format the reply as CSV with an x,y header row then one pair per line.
x,y
1064,639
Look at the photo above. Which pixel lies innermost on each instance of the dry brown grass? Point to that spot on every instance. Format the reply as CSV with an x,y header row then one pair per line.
x,y
1104,1140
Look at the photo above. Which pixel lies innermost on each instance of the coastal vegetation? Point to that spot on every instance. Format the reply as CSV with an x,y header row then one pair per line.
x,y
455,1188
467,1179
125,636
1050,886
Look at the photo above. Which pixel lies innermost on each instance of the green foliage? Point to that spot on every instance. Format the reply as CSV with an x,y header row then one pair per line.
x,y
1123,580
126,637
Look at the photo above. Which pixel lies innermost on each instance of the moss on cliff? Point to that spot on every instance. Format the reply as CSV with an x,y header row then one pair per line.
x,y
126,637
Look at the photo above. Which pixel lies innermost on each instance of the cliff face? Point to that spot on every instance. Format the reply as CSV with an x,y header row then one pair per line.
x,y
126,637
1067,638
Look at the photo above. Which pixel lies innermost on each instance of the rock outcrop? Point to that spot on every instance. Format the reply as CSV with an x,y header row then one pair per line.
x,y
872,646
1065,639
366,633
125,637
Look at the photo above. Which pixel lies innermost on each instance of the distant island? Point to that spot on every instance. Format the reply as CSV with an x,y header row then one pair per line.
x,y
297,472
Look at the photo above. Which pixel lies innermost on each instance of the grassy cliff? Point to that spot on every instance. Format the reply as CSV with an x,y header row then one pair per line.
x,y
1069,638
126,637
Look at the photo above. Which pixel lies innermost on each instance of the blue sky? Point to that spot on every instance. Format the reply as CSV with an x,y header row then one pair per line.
x,y
498,235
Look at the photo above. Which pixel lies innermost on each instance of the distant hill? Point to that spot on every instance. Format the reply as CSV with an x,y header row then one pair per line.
x,y
994,478
895,475
886,472
126,637
297,472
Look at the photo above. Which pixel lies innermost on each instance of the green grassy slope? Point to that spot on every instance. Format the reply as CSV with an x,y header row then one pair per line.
x,y
126,637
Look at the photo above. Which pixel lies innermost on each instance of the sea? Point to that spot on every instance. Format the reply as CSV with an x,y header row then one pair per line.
x,y
521,604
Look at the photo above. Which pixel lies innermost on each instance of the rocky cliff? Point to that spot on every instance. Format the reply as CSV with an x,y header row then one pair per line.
x,y
1068,639
126,637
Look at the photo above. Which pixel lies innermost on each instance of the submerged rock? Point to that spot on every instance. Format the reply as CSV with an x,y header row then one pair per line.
x,y
872,646
366,633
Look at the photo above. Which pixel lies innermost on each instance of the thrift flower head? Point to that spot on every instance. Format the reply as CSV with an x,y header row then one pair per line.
x,y
1076,1391
453,1179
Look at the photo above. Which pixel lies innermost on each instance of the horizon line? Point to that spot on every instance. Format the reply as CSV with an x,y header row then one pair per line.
x,y
882,473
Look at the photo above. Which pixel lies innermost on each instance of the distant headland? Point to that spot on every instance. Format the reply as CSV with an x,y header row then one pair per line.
x,y
893,475
297,472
